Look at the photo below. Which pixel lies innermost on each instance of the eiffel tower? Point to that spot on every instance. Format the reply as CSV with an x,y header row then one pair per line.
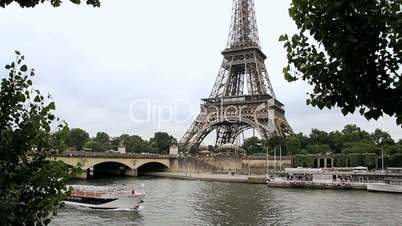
x,y
242,96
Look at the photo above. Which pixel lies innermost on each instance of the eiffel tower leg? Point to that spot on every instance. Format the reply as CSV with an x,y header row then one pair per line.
x,y
195,135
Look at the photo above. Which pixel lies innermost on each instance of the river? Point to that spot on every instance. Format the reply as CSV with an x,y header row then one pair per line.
x,y
180,202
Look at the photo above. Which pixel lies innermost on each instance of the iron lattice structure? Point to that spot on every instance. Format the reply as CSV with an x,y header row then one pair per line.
x,y
242,96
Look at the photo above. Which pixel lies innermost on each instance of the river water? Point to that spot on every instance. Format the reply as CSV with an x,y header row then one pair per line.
x,y
180,202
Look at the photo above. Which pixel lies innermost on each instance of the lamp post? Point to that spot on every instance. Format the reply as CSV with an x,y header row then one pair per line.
x,y
382,159
280,158
267,162
274,160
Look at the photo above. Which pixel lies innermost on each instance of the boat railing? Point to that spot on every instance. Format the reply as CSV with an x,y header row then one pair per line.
x,y
99,192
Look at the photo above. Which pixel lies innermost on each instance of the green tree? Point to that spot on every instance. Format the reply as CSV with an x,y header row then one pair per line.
x,y
350,52
318,137
340,160
162,142
362,159
31,187
395,160
360,147
58,139
381,138
101,142
253,145
336,141
54,3
136,144
120,140
304,140
353,133
392,149
318,149
102,138
91,145
275,142
304,160
77,138
293,145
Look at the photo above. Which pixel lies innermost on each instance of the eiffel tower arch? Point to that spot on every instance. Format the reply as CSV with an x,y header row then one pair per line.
x,y
242,96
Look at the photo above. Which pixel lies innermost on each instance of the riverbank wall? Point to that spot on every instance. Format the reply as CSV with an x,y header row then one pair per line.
x,y
211,177
260,180
225,164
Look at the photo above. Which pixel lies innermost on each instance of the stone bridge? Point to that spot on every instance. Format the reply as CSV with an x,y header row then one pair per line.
x,y
93,164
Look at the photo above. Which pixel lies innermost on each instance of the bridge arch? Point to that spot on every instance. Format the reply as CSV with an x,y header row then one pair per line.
x,y
152,166
109,168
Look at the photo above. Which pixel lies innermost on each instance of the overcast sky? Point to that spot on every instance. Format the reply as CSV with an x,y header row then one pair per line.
x,y
109,68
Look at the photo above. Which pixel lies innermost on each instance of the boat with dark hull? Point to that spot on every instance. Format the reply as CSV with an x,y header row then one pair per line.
x,y
104,198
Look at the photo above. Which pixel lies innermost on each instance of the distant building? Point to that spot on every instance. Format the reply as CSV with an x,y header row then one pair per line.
x,y
174,150
229,148
205,153
121,149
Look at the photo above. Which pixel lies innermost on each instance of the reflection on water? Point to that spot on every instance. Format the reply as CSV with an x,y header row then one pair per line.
x,y
178,202
235,204
80,216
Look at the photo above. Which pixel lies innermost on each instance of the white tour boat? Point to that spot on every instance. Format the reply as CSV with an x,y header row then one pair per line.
x,y
104,198
392,186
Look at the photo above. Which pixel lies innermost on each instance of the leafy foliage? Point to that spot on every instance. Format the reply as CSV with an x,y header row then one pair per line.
x,y
382,138
162,141
304,160
351,139
350,147
54,3
101,142
31,187
77,138
350,52
253,145
361,159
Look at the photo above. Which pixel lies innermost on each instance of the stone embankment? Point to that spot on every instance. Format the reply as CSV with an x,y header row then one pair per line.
x,y
211,177
233,178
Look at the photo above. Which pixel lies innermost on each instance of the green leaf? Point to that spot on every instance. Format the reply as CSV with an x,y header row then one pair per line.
x,y
52,106
24,68
37,99
399,120
17,52
283,38
8,67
